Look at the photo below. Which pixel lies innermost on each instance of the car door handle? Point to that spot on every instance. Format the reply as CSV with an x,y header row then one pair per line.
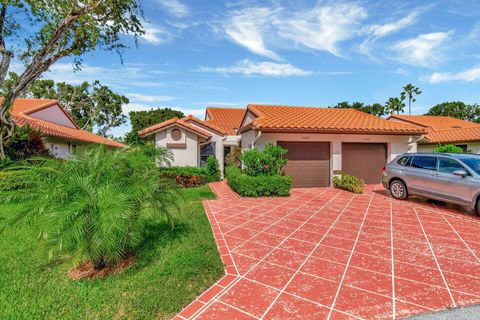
x,y
435,174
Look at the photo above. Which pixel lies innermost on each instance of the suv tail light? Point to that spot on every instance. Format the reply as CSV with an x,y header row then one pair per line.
x,y
384,171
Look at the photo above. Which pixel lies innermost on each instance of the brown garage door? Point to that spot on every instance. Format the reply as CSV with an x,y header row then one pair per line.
x,y
308,163
364,160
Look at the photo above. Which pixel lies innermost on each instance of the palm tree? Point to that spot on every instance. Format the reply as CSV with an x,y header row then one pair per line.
x,y
394,105
410,91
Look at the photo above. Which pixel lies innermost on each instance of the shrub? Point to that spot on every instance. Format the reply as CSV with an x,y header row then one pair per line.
x,y
267,162
25,143
234,157
448,148
94,206
251,186
212,169
349,182
185,177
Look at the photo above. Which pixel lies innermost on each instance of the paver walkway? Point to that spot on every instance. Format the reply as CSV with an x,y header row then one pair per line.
x,y
328,254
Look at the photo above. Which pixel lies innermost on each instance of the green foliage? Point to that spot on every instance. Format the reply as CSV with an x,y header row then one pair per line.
x,y
93,206
91,105
456,109
234,157
375,109
212,169
267,162
410,91
349,182
26,143
448,148
394,105
185,177
144,119
258,186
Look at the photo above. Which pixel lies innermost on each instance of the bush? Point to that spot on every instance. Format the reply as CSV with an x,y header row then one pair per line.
x,y
349,182
448,148
267,162
185,177
96,205
212,169
25,143
250,186
234,157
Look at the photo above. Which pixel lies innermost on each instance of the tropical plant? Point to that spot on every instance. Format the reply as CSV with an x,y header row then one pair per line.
x,y
212,169
95,205
456,109
25,143
40,33
410,91
234,157
448,148
267,162
394,105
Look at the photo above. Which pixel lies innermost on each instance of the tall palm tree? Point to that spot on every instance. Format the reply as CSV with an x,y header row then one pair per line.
x,y
410,91
394,105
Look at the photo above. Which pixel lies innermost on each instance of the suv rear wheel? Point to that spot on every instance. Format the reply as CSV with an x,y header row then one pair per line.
x,y
398,190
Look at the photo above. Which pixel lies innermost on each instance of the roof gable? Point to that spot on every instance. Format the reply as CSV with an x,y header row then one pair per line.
x,y
173,122
227,119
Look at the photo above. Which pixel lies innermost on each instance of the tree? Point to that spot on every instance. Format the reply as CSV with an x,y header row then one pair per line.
x,y
410,91
456,109
394,105
144,119
375,109
58,29
91,105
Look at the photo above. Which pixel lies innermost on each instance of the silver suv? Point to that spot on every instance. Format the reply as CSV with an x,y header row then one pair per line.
x,y
453,178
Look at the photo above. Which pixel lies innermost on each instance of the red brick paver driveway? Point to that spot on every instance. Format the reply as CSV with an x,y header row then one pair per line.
x,y
328,254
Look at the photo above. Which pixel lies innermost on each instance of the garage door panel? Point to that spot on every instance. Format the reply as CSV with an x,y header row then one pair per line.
x,y
308,163
364,160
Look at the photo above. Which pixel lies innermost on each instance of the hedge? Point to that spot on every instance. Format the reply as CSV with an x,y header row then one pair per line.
x,y
251,186
349,182
185,177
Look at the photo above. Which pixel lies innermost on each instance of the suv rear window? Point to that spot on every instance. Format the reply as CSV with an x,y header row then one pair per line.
x,y
404,161
428,163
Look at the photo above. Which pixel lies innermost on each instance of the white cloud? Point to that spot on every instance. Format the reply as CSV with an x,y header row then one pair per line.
x,y
382,30
321,28
149,98
249,27
155,35
468,75
424,50
175,7
272,69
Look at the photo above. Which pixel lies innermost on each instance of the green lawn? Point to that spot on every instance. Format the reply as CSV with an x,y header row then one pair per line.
x,y
171,269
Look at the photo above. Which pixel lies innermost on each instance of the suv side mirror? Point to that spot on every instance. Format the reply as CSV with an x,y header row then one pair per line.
x,y
460,173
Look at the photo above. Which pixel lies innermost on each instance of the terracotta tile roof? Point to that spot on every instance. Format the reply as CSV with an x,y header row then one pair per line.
x,y
453,135
228,119
174,121
436,122
331,120
207,124
23,107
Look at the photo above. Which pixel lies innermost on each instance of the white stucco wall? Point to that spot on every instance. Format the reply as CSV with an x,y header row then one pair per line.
x,y
58,148
219,147
395,144
183,156
53,114
473,147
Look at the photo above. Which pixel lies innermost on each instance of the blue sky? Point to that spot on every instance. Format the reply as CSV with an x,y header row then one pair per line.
x,y
315,53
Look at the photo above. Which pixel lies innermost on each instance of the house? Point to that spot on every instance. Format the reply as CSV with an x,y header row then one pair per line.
x,y
320,141
443,130
61,133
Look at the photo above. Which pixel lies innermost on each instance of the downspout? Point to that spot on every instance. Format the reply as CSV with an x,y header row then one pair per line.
x,y
255,140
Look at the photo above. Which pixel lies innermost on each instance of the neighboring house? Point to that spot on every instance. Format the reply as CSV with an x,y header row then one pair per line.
x,y
444,130
320,141
61,133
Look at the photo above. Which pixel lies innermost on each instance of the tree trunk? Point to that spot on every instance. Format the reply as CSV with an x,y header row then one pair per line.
x,y
6,125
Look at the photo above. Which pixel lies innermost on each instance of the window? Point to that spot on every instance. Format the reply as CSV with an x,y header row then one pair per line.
x,y
464,147
206,151
449,165
472,163
404,161
427,163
